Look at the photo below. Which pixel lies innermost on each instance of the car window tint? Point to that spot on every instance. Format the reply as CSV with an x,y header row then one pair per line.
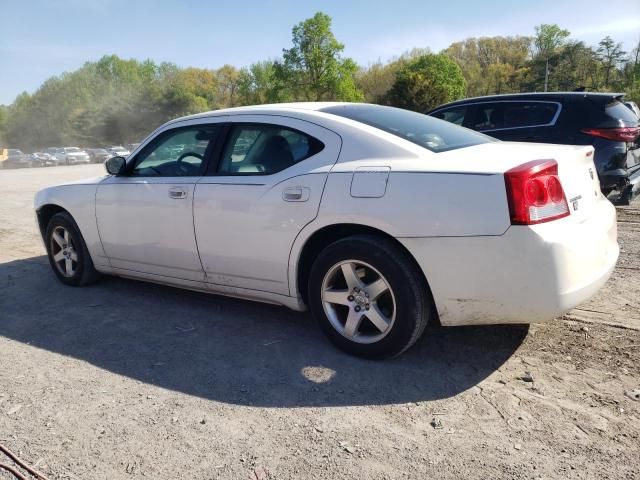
x,y
260,149
176,153
424,130
494,116
619,111
453,115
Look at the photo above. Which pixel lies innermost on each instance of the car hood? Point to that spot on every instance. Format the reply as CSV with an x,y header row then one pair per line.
x,y
86,181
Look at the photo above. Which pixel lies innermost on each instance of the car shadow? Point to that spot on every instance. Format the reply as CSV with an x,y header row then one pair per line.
x,y
233,351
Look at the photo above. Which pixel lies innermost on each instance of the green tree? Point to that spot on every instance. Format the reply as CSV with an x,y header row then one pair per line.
x,y
4,120
631,72
610,54
492,64
377,79
259,84
313,69
426,82
548,38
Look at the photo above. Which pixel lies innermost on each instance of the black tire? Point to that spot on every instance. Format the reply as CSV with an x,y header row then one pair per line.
x,y
412,299
625,196
84,273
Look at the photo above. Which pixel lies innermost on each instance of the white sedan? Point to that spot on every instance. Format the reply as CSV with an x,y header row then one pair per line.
x,y
378,220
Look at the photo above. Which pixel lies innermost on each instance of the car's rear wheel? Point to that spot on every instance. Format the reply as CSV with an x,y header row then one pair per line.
x,y
369,296
67,252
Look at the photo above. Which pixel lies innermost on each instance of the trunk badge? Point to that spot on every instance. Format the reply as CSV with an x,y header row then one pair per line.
x,y
574,202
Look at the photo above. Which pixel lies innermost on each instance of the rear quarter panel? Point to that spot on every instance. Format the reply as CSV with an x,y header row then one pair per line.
x,y
422,204
415,204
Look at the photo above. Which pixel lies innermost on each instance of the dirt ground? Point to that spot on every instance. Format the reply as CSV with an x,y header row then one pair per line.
x,y
126,380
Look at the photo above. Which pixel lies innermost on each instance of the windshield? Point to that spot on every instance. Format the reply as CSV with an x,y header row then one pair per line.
x,y
428,132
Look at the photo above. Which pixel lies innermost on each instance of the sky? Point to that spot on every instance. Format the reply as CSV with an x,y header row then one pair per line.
x,y
43,38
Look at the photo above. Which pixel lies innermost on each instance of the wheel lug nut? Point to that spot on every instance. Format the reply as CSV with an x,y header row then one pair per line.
x,y
350,298
357,309
356,289
366,294
367,307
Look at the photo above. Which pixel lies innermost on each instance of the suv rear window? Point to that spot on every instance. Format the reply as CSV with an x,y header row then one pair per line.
x,y
428,132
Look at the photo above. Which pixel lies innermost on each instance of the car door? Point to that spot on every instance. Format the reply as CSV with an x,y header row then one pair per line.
x,y
266,187
145,217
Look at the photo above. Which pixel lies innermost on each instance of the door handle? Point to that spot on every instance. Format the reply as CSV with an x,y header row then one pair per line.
x,y
177,193
296,194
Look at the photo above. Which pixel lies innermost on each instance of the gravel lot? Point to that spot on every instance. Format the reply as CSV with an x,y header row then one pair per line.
x,y
132,380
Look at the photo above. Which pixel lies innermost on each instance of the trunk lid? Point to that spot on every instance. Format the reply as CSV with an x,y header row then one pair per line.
x,y
579,179
576,169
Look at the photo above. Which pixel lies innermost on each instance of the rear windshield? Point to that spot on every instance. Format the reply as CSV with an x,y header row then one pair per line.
x,y
428,132
620,111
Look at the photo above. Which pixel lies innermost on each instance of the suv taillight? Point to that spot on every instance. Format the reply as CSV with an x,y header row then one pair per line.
x,y
535,193
622,134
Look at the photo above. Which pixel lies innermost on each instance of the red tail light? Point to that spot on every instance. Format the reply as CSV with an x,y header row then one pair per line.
x,y
535,193
626,134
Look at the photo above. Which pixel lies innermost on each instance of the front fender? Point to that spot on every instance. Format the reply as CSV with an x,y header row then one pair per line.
x,y
79,201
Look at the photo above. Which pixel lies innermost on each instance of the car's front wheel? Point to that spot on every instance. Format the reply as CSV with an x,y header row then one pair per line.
x,y
369,296
67,252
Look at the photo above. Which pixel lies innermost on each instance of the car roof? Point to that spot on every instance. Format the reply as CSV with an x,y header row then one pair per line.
x,y
272,108
550,96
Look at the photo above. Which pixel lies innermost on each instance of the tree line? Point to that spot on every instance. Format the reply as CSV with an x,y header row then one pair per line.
x,y
113,100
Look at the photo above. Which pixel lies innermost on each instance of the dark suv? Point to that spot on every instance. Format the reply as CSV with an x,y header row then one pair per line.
x,y
575,118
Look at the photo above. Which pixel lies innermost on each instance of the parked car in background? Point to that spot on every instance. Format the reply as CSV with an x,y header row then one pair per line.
x,y
377,219
74,156
131,146
574,118
119,151
42,159
633,106
99,155
58,153
4,154
17,159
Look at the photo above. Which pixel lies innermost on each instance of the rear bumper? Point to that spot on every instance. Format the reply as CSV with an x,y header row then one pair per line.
x,y
527,275
633,186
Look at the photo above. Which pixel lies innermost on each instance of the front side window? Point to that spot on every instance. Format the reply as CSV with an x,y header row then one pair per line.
x,y
453,115
424,130
176,153
261,149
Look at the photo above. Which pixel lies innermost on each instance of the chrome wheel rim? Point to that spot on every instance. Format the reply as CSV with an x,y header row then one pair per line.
x,y
63,251
358,301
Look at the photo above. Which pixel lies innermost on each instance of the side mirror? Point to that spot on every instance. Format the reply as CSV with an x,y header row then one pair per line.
x,y
115,165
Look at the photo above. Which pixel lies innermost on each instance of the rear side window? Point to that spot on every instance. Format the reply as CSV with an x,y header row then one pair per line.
x,y
453,115
501,115
424,130
619,111
261,149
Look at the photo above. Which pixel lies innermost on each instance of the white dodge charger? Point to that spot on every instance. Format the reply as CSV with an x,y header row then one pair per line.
x,y
379,220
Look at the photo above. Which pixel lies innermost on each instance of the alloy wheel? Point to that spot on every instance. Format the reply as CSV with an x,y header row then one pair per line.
x,y
63,251
358,301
